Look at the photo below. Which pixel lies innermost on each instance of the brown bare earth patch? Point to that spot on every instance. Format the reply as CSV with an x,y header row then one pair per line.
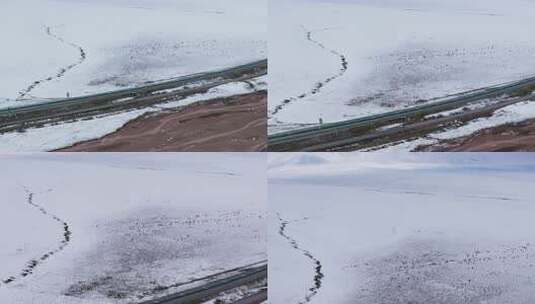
x,y
514,137
236,123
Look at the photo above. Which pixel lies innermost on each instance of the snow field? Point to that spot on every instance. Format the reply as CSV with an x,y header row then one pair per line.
x,y
126,43
397,53
403,229
140,224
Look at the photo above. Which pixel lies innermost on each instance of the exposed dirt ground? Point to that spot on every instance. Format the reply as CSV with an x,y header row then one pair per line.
x,y
517,137
237,123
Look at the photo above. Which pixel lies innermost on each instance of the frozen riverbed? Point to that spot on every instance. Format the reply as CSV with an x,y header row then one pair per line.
x,y
405,229
112,228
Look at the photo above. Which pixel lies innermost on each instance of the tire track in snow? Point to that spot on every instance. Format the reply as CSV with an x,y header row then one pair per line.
x,y
32,264
319,85
61,72
318,274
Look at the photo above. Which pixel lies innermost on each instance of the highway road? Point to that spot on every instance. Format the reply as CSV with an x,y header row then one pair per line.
x,y
397,125
20,118
215,286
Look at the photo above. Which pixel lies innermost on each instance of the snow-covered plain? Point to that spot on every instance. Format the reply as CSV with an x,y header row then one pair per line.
x,y
401,228
84,47
116,228
397,53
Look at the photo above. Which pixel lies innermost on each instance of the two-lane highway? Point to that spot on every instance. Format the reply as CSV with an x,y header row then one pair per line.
x,y
20,118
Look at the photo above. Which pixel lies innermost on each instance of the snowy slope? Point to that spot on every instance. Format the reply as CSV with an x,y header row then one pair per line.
x,y
113,228
84,47
515,113
396,53
388,228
